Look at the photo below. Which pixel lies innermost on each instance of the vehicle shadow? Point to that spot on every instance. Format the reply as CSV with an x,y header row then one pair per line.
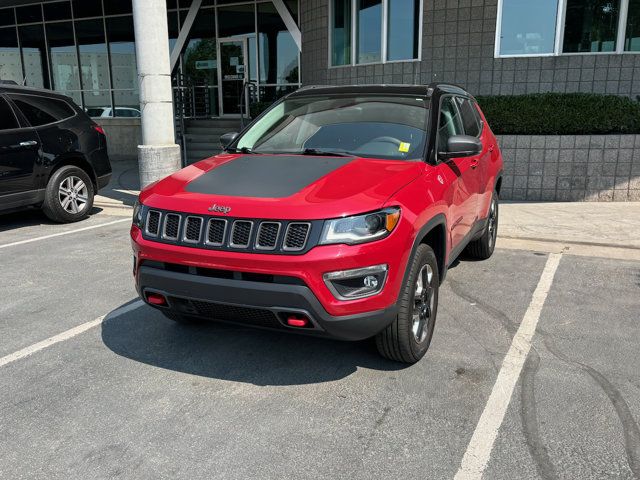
x,y
235,353
32,217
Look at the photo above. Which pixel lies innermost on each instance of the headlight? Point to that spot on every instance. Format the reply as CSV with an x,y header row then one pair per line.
x,y
137,214
360,228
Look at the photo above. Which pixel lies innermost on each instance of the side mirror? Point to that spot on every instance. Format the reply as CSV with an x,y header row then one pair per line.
x,y
227,138
461,146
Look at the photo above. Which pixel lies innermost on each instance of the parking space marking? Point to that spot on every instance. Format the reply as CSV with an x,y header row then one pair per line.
x,y
66,335
476,457
59,234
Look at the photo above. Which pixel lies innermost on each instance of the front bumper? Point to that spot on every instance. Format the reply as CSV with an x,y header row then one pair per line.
x,y
257,303
189,275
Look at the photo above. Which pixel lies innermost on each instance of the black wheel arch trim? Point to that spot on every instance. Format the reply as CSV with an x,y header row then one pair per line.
x,y
436,221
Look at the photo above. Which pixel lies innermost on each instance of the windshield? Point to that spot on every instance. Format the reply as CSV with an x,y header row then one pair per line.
x,y
366,126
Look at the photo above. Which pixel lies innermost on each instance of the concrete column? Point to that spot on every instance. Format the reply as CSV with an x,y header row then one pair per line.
x,y
159,155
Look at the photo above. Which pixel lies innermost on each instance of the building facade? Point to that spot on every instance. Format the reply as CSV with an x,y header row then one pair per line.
x,y
86,48
228,55
492,47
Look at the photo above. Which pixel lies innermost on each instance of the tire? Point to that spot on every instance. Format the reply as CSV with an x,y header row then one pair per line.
x,y
482,248
69,195
182,319
406,340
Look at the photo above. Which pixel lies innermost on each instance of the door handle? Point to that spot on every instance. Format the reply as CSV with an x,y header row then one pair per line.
x,y
474,164
28,143
491,149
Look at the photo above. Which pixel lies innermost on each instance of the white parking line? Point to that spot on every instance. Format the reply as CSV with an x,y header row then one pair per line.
x,y
61,337
478,452
59,234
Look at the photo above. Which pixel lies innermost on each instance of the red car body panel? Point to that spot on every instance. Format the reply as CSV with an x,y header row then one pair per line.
x,y
360,186
457,191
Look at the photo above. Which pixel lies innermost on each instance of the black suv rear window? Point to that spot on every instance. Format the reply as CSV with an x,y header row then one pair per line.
x,y
7,118
42,110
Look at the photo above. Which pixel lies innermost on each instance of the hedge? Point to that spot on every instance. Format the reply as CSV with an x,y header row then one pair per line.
x,y
561,114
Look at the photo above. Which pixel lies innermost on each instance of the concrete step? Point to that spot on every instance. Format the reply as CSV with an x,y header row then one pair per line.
x,y
213,123
214,132
200,154
202,138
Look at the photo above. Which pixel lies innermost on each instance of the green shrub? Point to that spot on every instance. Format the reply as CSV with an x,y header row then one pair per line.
x,y
561,114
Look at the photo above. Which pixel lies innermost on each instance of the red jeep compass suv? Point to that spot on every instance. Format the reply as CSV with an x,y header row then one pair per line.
x,y
335,213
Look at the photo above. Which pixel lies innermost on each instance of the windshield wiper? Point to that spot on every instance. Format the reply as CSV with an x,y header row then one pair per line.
x,y
324,153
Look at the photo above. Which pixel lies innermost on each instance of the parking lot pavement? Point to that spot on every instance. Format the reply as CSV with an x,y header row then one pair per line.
x,y
137,396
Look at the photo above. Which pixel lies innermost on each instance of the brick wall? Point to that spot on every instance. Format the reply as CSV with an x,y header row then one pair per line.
x,y
458,46
571,167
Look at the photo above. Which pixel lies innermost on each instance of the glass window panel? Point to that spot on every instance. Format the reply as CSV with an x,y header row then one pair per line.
x,y
236,20
87,8
200,55
292,5
172,4
278,51
591,25
124,73
117,7
632,36
469,116
29,14
172,22
10,62
34,57
7,118
402,30
252,56
57,11
63,56
528,27
271,94
7,17
341,33
449,124
127,103
98,99
369,29
42,110
75,95
94,63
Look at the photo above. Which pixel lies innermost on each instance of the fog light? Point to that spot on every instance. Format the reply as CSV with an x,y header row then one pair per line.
x,y
356,283
370,282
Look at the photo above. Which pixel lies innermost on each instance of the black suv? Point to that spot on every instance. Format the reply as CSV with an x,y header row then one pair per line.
x,y
52,155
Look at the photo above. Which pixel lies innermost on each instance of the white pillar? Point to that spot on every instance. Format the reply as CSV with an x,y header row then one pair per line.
x,y
158,156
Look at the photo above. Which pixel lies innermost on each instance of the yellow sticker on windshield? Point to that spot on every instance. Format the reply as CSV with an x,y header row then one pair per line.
x,y
404,147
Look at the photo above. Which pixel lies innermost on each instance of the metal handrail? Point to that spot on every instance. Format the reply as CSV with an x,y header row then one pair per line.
x,y
246,86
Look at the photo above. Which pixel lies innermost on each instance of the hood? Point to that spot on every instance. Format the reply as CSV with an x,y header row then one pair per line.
x,y
282,186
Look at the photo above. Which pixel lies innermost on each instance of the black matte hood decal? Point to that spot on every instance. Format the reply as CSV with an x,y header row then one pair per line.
x,y
265,176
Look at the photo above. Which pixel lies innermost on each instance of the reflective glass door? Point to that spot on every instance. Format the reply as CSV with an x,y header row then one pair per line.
x,y
233,72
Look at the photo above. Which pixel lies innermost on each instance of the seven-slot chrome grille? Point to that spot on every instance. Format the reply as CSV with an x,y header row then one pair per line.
x,y
231,234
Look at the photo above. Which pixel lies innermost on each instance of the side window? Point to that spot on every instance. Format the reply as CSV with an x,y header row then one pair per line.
x,y
470,119
449,123
7,118
42,110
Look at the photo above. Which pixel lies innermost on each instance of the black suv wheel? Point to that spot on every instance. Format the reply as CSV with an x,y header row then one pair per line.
x,y
69,195
483,247
408,338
